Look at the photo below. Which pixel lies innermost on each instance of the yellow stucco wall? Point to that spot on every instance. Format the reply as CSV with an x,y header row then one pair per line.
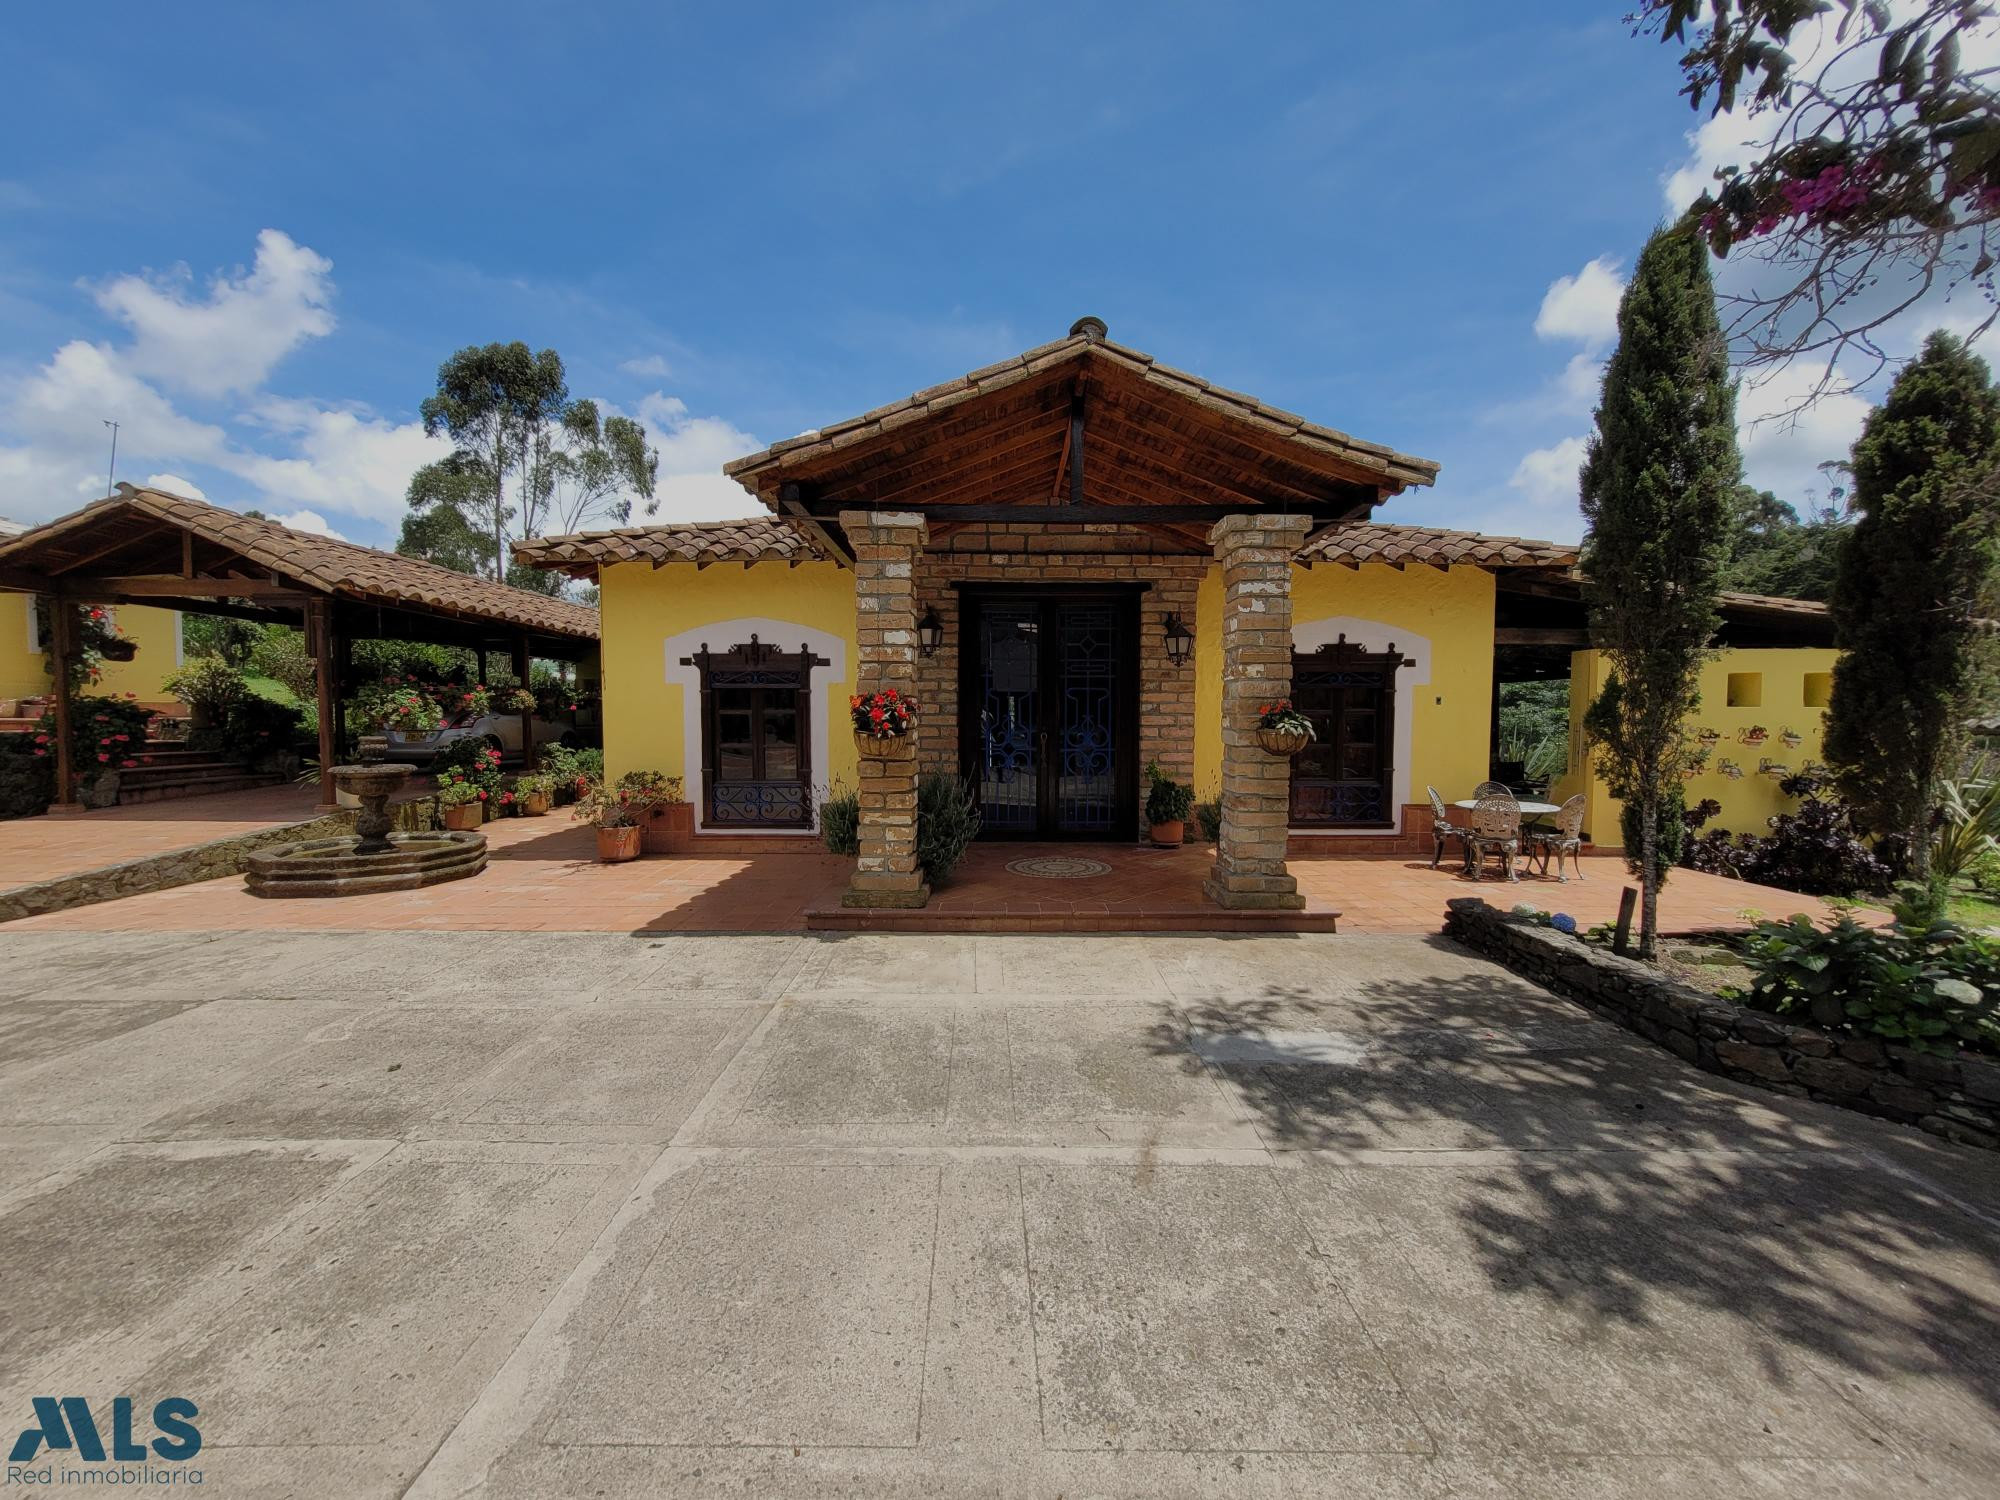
x,y
1782,678
156,632
645,608
1443,618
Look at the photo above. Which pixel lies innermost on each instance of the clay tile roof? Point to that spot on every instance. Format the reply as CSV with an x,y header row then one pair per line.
x,y
316,563
756,539
756,472
1372,541
1769,604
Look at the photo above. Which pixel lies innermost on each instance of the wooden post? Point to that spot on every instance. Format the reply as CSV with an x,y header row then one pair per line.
x,y
521,666
1621,940
62,646
319,641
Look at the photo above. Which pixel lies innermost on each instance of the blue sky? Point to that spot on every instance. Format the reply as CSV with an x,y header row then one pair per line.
x,y
250,233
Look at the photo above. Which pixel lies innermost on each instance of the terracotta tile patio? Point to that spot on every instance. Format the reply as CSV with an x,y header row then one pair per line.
x,y
45,848
544,876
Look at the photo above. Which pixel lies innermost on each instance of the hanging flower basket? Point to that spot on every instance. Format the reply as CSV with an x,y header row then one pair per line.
x,y
1790,738
1756,734
1707,736
1732,770
1282,729
117,648
883,722
1775,769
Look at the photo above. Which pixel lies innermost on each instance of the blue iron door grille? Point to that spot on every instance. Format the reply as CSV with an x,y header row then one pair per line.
x,y
1049,684
1086,788
756,736
1009,773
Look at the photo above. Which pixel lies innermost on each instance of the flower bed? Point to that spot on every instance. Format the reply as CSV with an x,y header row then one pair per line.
x,y
1951,1094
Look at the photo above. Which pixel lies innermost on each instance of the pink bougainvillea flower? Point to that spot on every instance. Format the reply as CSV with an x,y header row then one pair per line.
x,y
128,764
102,756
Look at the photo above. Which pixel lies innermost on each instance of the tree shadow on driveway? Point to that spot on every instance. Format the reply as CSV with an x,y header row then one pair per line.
x,y
1624,1187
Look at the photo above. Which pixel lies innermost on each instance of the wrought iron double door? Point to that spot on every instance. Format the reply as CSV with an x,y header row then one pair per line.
x,y
1049,712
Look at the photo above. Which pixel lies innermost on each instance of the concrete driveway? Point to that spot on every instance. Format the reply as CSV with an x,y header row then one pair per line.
x,y
546,1215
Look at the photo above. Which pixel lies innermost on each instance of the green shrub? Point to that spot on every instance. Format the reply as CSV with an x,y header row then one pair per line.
x,y
27,780
947,821
1209,816
1922,982
258,726
840,821
1167,800
280,654
208,684
105,732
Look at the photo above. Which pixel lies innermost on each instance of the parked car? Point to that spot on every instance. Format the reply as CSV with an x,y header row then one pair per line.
x,y
502,731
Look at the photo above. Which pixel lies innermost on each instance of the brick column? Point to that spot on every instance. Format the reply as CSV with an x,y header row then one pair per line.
x,y
886,547
1256,553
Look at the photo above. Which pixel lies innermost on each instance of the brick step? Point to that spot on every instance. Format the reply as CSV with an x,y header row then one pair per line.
x,y
196,786
199,766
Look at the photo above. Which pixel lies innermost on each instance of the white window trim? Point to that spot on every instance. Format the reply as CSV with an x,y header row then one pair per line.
x,y
784,635
1376,636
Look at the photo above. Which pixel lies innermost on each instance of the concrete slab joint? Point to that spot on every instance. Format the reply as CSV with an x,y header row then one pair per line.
x,y
886,547
1255,552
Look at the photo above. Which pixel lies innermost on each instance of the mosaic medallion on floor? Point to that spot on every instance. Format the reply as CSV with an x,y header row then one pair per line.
x,y
1058,867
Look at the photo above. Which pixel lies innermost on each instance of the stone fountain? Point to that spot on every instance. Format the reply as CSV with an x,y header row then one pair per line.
x,y
371,858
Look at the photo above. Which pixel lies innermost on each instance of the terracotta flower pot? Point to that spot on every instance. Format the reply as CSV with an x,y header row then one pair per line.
x,y
616,845
1168,835
1282,741
535,804
669,828
462,817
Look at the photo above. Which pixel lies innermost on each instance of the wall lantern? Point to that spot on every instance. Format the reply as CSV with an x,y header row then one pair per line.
x,y
1180,641
930,632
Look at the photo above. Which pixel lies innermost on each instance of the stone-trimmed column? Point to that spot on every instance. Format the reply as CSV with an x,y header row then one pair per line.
x,y
1256,553
886,547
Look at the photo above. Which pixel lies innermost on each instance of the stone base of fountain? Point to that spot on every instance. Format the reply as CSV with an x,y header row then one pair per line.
x,y
372,858
330,867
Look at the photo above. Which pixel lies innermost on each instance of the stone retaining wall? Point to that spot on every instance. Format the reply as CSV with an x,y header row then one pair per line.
x,y
156,872
1957,1097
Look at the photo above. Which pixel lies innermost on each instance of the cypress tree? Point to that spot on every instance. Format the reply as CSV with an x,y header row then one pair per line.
x,y
1907,594
1656,488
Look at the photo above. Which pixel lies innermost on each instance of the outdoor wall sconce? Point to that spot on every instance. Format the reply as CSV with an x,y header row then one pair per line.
x,y
930,632
1180,641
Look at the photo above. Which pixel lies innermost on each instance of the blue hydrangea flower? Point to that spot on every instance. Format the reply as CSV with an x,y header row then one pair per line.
x,y
1562,921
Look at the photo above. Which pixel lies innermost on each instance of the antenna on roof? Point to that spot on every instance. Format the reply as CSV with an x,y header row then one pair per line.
x,y
111,474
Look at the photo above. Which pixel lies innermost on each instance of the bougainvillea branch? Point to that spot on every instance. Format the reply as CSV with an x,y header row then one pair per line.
x,y
1876,179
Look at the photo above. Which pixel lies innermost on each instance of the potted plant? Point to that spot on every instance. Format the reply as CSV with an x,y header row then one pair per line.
x,y
883,721
615,815
1756,734
1168,803
1790,738
666,819
1282,729
537,793
1731,769
1695,764
460,806
1706,736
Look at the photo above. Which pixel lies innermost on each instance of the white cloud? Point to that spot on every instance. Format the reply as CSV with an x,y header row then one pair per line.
x,y
347,460
652,367
692,452
1547,476
173,484
1784,444
1583,307
230,340
309,520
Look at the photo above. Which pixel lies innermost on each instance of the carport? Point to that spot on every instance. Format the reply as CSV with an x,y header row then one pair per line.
x,y
145,546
